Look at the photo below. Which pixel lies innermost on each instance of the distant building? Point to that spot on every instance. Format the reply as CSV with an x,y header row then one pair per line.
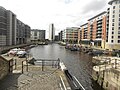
x,y
70,35
51,32
56,38
60,35
37,34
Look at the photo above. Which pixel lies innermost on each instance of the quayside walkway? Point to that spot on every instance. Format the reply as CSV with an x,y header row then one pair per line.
x,y
26,76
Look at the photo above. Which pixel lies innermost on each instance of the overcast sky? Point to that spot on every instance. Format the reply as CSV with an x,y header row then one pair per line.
x,y
38,14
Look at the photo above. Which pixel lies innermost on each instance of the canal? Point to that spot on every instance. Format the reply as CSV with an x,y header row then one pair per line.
x,y
78,64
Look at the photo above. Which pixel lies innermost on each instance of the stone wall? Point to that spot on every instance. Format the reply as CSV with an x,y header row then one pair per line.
x,y
4,68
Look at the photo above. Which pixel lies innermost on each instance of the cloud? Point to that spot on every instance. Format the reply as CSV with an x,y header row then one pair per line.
x,y
94,5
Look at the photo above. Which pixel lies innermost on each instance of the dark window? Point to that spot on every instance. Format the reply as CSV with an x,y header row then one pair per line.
x,y
112,37
119,15
111,41
112,28
112,24
118,41
113,20
113,11
113,7
118,36
112,32
113,16
119,27
118,32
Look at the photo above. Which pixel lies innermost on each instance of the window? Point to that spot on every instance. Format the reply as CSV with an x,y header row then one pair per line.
x,y
119,24
118,36
113,20
113,7
112,37
119,19
118,28
119,15
112,28
118,32
118,41
111,41
112,24
113,11
112,32
113,16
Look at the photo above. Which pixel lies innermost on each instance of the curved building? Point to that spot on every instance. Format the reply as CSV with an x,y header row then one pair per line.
x,y
113,26
3,26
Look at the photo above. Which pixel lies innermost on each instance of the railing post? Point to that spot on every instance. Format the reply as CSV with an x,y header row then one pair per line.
x,y
22,66
15,63
42,65
27,65
58,63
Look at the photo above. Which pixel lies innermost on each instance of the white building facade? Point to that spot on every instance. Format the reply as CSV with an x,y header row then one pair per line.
x,y
113,25
51,32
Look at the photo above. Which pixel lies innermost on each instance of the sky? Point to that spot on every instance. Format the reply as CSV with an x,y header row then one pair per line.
x,y
39,14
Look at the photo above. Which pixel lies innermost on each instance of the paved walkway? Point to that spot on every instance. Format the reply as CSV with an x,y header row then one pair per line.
x,y
34,79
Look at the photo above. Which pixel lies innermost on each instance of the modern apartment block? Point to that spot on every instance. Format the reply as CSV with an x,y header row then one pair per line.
x,y
37,35
22,33
12,30
3,26
83,34
51,32
113,25
70,35
97,29
94,31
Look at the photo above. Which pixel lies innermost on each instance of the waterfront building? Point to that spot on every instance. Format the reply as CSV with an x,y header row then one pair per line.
x,y
12,30
94,31
60,35
37,35
113,25
56,38
22,33
70,35
97,29
83,36
27,34
7,27
3,26
51,32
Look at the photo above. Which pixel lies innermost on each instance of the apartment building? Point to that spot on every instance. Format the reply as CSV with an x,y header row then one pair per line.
x,y
51,32
7,27
94,31
113,25
22,33
3,26
83,34
70,35
12,30
97,29
37,34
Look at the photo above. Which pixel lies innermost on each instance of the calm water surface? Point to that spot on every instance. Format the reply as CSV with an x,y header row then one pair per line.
x,y
77,63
